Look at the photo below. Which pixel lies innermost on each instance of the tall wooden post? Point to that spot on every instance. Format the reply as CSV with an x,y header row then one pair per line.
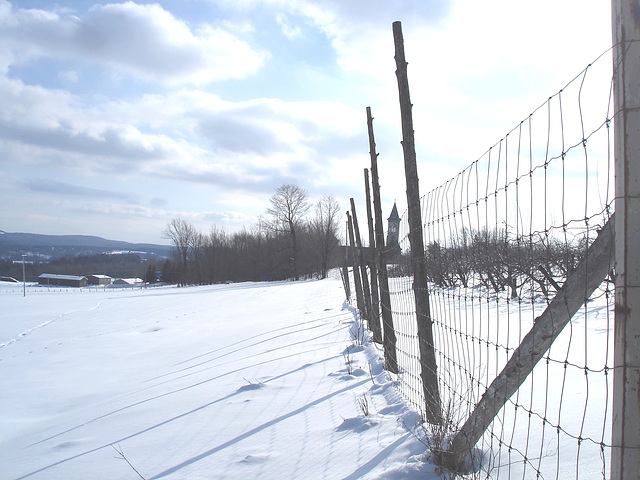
x,y
374,314
344,271
356,267
366,291
429,372
625,456
389,339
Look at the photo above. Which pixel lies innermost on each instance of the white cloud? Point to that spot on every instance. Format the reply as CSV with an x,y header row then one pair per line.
x,y
475,69
188,136
288,30
145,41
69,76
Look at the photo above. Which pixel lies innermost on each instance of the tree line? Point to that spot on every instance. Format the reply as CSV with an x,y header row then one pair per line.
x,y
295,239
117,266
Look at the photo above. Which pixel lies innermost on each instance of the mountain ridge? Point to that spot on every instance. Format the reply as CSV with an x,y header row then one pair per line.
x,y
16,243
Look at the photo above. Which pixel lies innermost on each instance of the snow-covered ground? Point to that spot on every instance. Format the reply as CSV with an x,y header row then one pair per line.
x,y
251,380
558,424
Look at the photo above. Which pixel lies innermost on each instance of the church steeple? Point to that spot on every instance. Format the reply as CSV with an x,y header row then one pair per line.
x,y
393,226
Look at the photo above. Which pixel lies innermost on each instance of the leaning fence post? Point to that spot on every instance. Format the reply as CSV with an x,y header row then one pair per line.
x,y
345,265
344,273
578,287
625,454
389,339
374,314
421,293
356,267
366,291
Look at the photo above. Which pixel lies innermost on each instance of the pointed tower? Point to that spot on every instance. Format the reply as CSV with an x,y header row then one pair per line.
x,y
393,227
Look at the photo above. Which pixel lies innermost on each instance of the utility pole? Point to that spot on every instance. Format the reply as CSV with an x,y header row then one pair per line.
x,y
24,281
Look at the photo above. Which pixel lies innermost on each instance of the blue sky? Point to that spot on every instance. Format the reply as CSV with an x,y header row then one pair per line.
x,y
117,117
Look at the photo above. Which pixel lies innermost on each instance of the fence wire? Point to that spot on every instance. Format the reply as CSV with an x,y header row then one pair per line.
x,y
501,238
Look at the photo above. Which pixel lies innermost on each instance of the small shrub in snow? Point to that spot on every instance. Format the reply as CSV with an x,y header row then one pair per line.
x,y
363,403
437,437
121,456
347,361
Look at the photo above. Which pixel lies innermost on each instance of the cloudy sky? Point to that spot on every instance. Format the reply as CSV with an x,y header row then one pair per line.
x,y
117,117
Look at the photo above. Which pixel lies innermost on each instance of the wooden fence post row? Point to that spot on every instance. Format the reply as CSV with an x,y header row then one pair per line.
x,y
366,290
374,315
389,334
625,462
356,267
581,283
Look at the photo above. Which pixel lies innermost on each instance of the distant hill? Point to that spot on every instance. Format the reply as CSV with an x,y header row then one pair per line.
x,y
36,246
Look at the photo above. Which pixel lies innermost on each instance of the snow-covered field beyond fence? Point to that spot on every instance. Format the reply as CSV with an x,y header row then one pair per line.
x,y
250,380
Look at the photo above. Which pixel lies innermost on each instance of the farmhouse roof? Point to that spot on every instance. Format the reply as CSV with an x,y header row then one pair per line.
x,y
127,281
61,277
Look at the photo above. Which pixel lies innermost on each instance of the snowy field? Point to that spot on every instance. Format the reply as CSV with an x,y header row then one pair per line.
x,y
250,380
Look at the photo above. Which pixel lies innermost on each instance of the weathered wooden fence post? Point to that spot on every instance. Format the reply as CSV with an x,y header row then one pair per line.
x,y
389,338
366,291
344,273
429,372
356,267
374,317
625,455
345,265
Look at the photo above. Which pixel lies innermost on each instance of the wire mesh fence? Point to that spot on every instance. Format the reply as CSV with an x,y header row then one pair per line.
x,y
502,238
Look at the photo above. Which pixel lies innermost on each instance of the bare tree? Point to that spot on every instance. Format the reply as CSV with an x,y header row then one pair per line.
x,y
325,225
197,247
181,234
289,206
216,245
